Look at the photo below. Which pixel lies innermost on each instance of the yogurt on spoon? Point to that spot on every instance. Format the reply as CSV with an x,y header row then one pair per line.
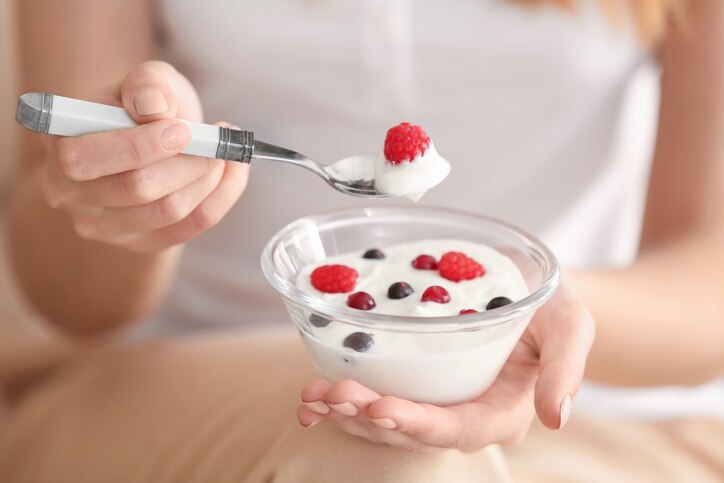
x,y
408,166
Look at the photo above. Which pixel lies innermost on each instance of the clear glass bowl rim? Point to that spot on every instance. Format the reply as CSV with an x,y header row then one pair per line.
x,y
455,323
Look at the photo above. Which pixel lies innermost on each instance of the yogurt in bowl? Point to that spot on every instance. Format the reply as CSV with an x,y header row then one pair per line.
x,y
423,350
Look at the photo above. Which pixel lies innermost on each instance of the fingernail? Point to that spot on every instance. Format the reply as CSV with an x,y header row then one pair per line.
x,y
319,407
345,408
311,424
565,411
386,423
150,102
175,136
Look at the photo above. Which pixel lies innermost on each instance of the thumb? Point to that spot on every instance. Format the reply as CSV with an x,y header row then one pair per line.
x,y
155,90
564,348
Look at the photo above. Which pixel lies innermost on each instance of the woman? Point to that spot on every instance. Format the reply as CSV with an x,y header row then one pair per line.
x,y
531,106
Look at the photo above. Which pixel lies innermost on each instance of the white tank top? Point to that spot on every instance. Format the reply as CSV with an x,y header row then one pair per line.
x,y
548,120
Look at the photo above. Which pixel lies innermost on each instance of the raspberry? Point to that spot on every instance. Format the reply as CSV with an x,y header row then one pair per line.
x,y
424,262
405,142
361,301
334,278
436,294
468,311
456,266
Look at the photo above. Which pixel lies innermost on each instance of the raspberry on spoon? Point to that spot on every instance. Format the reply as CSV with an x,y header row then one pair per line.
x,y
405,142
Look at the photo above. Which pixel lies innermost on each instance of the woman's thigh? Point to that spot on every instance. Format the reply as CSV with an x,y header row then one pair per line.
x,y
596,450
213,408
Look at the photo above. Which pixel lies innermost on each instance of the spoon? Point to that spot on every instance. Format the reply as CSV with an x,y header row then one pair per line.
x,y
47,113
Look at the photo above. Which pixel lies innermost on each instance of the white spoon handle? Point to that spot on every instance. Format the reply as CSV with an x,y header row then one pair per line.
x,y
63,116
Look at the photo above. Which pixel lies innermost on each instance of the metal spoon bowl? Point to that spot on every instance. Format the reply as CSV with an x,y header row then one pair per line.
x,y
354,175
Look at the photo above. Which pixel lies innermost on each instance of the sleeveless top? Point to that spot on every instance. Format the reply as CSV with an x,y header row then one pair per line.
x,y
547,118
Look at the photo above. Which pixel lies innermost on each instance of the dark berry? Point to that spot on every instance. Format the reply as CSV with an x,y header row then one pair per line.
x,y
468,311
498,302
359,341
318,320
374,254
399,290
361,301
436,294
334,278
424,262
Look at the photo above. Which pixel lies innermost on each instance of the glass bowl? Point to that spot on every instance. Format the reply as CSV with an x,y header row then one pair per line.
x,y
438,360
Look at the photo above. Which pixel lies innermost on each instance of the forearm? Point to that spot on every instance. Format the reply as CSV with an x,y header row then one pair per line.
x,y
661,321
82,286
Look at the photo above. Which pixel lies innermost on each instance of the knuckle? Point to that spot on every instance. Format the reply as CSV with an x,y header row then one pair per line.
x,y
171,208
203,218
137,246
139,187
67,153
515,437
147,72
140,148
346,386
53,196
85,230
159,65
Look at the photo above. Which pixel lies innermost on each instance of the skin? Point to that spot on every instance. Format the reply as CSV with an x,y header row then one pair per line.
x,y
84,230
96,221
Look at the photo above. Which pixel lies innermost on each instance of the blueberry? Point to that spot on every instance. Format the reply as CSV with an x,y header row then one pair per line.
x,y
399,290
498,302
374,254
359,341
318,320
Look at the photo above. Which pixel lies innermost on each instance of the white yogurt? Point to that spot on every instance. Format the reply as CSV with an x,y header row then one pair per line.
x,y
411,179
408,179
439,368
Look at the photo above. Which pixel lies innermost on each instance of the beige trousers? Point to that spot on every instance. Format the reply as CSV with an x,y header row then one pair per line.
x,y
217,408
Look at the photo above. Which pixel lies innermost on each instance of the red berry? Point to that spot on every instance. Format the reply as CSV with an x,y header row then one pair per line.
x,y
361,301
468,311
425,262
457,266
436,294
334,278
405,142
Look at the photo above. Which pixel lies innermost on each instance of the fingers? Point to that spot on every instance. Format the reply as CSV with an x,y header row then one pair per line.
x,y
420,427
563,354
92,156
428,424
350,398
345,403
207,214
307,417
147,93
313,396
467,427
156,90
172,208
130,188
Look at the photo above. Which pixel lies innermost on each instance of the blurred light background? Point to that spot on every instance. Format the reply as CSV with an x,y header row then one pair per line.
x,y
17,330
